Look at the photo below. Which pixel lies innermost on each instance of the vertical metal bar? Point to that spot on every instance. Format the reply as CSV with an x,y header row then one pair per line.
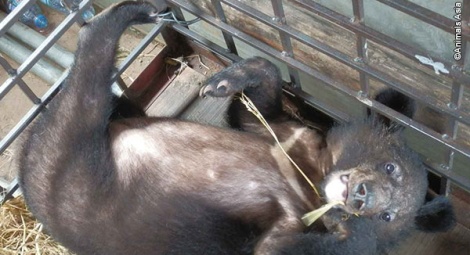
x,y
227,37
451,131
286,43
451,128
465,26
361,45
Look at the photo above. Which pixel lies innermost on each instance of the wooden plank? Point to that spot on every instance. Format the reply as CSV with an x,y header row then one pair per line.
x,y
175,98
208,110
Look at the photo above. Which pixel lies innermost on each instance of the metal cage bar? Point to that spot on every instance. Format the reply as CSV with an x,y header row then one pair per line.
x,y
14,16
227,37
361,44
286,43
456,98
464,117
424,14
41,50
380,38
386,79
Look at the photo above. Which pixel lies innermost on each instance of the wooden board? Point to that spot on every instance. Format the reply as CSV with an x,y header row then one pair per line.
x,y
181,99
175,98
208,110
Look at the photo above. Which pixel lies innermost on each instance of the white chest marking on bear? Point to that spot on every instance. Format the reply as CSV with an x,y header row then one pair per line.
x,y
129,148
285,166
211,174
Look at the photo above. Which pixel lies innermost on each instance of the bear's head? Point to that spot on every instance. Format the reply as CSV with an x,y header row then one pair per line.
x,y
377,176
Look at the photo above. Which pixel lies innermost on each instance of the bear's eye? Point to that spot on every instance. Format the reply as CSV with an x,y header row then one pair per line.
x,y
386,217
390,168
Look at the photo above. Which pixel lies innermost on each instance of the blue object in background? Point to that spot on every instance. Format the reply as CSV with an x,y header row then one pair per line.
x,y
32,17
59,5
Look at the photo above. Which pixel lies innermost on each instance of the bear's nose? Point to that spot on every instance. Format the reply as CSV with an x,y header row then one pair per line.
x,y
361,196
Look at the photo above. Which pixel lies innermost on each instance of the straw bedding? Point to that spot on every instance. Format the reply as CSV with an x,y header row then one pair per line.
x,y
20,233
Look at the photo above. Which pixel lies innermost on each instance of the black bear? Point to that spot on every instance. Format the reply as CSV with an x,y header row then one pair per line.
x,y
165,186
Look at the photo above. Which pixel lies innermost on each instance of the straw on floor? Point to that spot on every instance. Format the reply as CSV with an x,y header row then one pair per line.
x,y
20,233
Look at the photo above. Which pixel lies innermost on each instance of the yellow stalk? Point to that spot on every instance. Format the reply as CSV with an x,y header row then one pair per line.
x,y
312,216
252,108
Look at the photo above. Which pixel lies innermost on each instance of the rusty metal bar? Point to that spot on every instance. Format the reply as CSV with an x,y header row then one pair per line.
x,y
424,14
405,121
285,41
386,79
227,37
381,39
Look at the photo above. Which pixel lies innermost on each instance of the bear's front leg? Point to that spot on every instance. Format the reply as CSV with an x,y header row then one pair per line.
x,y
259,79
279,234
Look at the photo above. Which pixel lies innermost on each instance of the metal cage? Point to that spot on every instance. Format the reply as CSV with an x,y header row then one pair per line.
x,y
457,71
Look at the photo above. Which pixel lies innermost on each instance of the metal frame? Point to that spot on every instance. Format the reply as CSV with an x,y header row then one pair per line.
x,y
459,77
286,55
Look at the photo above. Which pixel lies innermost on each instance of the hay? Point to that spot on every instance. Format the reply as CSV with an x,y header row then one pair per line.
x,y
312,216
20,233
250,106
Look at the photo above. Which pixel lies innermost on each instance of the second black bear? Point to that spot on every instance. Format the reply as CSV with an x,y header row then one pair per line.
x,y
165,186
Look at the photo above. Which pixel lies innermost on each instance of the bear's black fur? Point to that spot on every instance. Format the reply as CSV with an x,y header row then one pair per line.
x,y
164,186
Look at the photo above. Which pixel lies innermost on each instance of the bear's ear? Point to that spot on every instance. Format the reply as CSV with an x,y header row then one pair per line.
x,y
398,102
436,215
